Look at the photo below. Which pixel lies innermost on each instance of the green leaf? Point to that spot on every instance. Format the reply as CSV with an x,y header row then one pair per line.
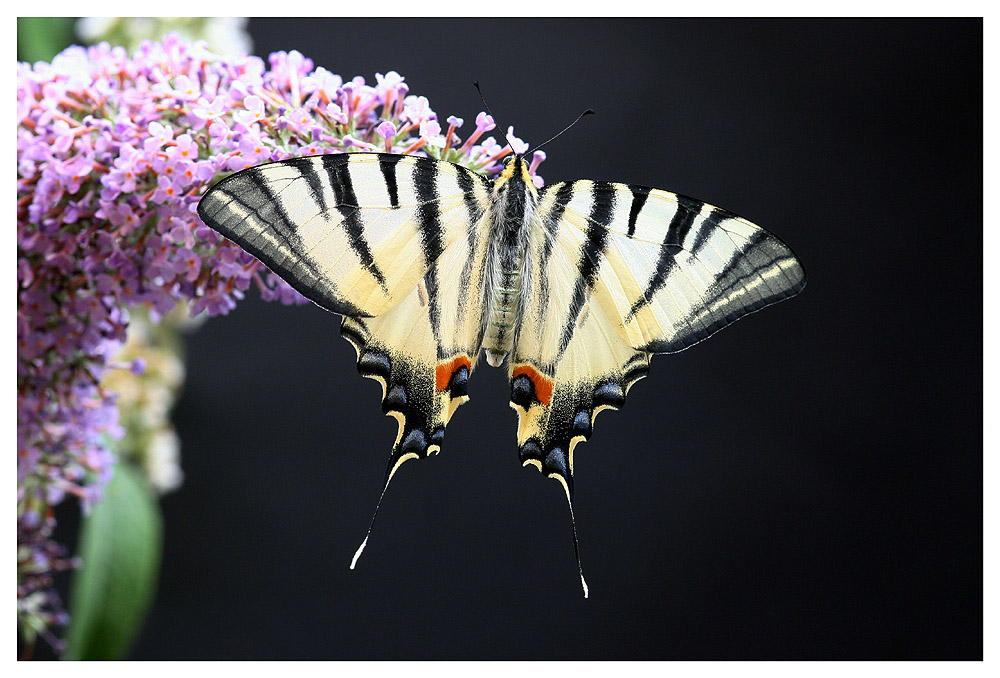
x,y
39,38
120,545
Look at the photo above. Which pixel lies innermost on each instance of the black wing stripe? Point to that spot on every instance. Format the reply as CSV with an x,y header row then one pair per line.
x,y
267,207
673,242
428,216
339,175
561,199
273,202
468,185
682,221
601,213
387,163
639,195
307,170
708,226
550,230
742,267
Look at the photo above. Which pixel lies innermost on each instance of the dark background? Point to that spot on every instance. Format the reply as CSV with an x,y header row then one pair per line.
x,y
805,485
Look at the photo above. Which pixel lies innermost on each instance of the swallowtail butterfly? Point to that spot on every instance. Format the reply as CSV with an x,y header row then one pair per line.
x,y
574,285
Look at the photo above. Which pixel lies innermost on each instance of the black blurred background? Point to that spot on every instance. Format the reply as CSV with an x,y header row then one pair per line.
x,y
805,485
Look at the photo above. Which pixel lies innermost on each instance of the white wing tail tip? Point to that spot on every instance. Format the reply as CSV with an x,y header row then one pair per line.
x,y
354,561
586,591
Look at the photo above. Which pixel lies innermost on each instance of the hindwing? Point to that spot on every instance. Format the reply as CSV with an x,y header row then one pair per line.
x,y
423,350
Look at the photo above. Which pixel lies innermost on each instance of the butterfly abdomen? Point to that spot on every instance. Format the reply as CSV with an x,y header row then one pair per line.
x,y
512,210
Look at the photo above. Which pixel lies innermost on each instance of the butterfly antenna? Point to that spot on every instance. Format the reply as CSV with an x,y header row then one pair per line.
x,y
589,111
475,83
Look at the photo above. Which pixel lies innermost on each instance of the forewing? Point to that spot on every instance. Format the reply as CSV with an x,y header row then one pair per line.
x,y
674,270
353,232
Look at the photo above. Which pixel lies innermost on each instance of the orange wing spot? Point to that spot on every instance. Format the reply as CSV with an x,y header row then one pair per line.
x,y
444,371
543,385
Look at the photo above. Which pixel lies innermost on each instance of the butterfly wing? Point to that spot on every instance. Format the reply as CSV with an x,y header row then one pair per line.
x,y
675,270
369,236
620,273
423,350
353,232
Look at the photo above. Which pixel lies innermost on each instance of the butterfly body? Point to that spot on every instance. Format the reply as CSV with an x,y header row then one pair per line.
x,y
508,267
574,285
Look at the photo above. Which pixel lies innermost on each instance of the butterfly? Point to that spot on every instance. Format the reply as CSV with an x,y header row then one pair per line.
x,y
574,285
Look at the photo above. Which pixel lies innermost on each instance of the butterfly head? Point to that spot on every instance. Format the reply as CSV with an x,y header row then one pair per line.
x,y
515,171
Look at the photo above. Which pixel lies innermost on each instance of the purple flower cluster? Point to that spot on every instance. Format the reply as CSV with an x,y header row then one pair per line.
x,y
39,608
113,153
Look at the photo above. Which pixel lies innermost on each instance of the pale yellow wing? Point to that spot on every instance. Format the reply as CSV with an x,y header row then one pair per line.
x,y
396,245
621,272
